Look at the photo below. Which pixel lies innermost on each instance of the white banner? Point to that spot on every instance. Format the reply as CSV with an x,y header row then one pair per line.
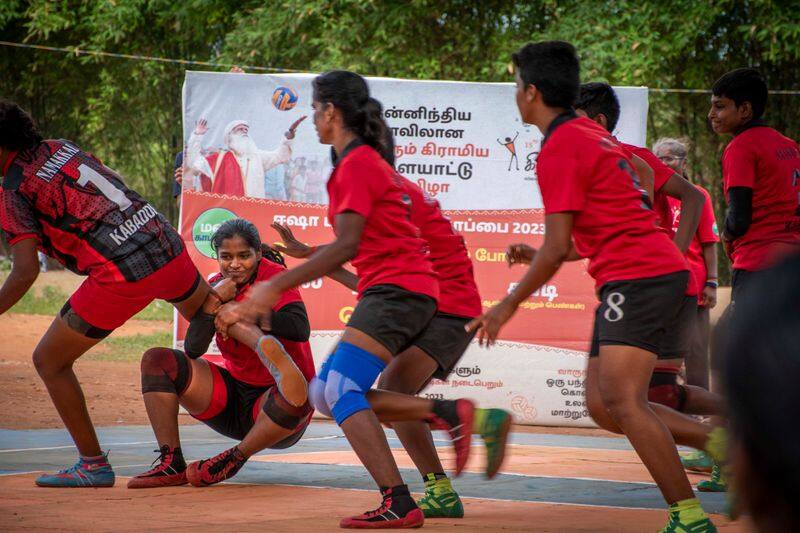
x,y
463,143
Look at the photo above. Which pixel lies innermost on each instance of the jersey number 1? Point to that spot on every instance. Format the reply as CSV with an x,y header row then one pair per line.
x,y
90,175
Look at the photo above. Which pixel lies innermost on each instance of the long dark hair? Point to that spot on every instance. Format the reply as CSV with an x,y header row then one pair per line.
x,y
247,231
362,114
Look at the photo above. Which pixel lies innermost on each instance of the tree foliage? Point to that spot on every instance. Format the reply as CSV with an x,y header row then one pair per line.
x,y
128,112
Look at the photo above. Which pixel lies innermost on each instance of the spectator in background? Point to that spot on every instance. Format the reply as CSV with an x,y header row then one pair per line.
x,y
702,257
761,365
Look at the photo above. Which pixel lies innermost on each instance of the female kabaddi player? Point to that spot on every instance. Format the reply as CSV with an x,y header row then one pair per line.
x,y
398,292
239,399
65,202
594,208
435,353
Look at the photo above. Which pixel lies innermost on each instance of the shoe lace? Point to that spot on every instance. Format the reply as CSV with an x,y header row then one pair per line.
x,y
380,510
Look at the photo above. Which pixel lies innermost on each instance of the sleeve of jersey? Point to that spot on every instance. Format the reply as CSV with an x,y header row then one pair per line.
x,y
356,188
707,229
17,218
738,166
561,184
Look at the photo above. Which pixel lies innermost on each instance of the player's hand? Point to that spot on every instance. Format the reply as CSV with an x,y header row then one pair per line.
x,y
232,313
236,70
708,298
179,175
520,254
291,246
225,289
488,325
201,127
293,127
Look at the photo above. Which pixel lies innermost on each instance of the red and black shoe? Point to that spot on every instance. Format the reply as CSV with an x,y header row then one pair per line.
x,y
218,468
169,472
455,417
398,511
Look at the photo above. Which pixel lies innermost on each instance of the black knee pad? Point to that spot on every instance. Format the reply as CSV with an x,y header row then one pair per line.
x,y
165,370
280,411
665,390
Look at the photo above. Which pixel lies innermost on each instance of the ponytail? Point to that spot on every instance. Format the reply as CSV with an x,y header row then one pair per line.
x,y
271,254
362,114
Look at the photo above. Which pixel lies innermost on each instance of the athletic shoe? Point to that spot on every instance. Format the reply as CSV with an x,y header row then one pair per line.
x,y
700,526
398,511
291,382
218,468
456,417
84,473
440,500
717,483
170,471
493,426
697,461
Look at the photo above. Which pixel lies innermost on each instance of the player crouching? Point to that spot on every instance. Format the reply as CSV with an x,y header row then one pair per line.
x,y
259,394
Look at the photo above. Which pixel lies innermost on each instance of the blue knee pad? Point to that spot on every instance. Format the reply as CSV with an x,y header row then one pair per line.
x,y
352,372
316,389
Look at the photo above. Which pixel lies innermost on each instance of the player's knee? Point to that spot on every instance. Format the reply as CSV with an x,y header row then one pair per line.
x,y
621,403
165,370
665,389
279,410
352,373
46,365
316,395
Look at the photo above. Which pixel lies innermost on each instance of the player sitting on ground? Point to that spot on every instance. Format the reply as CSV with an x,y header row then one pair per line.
x,y
594,208
65,202
258,395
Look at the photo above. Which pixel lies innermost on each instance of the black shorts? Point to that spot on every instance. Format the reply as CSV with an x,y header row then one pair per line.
x,y
680,331
445,341
235,406
638,312
392,315
741,281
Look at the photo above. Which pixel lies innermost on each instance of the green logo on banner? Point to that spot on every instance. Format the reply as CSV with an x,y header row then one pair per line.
x,y
205,226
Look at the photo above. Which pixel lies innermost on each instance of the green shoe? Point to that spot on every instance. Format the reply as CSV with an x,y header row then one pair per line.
x,y
697,462
493,426
700,526
717,483
440,499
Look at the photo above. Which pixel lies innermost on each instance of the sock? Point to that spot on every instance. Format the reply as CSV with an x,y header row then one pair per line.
x,y
433,477
178,462
401,502
478,420
688,511
94,460
717,445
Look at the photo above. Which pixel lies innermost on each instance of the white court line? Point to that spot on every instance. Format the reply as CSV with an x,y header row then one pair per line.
x,y
210,441
541,502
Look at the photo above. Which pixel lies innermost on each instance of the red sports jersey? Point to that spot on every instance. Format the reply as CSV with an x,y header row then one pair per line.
x,y
706,233
583,171
762,159
391,249
661,174
83,215
242,362
458,293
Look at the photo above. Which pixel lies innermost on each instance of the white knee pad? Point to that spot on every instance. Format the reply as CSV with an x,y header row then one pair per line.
x,y
316,395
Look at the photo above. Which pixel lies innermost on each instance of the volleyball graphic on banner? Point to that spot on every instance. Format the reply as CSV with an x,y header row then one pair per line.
x,y
284,98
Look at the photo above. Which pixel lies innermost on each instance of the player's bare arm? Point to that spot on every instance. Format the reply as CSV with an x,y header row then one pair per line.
x,y
24,272
263,296
692,202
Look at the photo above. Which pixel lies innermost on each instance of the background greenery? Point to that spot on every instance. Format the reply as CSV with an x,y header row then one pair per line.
x,y
128,112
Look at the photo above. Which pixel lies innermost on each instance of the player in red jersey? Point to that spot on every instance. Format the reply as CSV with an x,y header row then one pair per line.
x,y
702,258
599,102
435,353
240,398
65,202
398,293
761,178
595,209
